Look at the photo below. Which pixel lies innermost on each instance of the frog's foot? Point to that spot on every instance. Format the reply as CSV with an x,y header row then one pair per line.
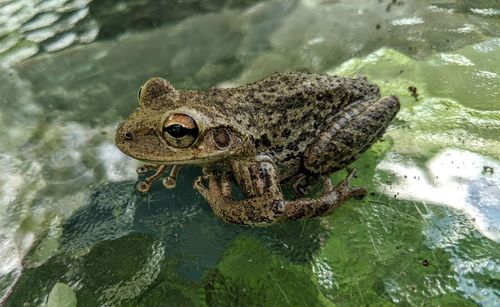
x,y
344,189
170,181
145,186
218,185
332,198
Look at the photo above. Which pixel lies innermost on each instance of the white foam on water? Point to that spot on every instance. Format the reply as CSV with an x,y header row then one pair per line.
x,y
118,166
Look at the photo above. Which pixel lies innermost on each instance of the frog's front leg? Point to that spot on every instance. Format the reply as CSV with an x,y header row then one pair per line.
x,y
266,204
264,209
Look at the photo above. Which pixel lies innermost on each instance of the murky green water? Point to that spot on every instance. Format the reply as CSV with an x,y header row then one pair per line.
x,y
428,234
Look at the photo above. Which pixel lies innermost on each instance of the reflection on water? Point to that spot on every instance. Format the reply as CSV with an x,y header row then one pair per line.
x,y
68,208
454,178
29,27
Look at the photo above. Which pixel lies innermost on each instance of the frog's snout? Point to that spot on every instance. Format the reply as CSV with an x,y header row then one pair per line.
x,y
123,134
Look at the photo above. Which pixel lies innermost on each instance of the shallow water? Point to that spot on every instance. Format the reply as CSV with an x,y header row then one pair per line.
x,y
69,213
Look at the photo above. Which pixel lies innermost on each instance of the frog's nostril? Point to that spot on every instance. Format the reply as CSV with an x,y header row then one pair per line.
x,y
129,135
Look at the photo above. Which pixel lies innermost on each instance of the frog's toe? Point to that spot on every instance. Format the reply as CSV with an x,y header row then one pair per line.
x,y
358,193
199,184
143,186
169,182
142,170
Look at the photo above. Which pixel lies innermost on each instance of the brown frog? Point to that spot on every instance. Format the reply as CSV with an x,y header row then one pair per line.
x,y
287,128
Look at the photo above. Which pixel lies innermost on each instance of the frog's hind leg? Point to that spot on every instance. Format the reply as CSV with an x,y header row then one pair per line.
x,y
331,199
266,204
351,133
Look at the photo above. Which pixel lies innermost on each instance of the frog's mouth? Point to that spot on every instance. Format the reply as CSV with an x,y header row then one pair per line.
x,y
197,161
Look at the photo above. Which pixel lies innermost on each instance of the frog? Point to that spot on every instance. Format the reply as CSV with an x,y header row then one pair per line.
x,y
289,128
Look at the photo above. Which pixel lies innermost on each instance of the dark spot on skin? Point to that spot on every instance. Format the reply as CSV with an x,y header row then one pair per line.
x,y
277,149
322,209
299,213
425,262
377,26
289,157
304,136
265,140
346,138
253,177
286,133
293,146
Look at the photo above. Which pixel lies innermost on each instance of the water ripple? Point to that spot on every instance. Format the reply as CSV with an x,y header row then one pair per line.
x,y
28,27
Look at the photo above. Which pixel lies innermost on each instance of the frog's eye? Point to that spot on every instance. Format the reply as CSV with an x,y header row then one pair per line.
x,y
180,130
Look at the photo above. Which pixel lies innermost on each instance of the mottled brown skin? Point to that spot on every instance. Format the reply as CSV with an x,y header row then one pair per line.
x,y
288,127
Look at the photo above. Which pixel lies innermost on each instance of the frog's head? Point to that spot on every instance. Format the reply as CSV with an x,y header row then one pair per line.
x,y
177,127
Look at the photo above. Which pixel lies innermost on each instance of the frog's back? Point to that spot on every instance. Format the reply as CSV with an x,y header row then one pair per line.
x,y
286,112
285,101
297,106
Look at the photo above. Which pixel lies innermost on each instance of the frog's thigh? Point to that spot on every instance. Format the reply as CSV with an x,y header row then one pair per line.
x,y
355,130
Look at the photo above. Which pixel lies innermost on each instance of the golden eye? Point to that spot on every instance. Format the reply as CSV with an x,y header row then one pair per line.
x,y
180,130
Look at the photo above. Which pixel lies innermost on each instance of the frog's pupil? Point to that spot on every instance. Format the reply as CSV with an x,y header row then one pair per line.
x,y
139,92
177,131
